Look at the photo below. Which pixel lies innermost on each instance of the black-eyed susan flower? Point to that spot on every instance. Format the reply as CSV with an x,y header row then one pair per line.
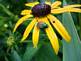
x,y
42,14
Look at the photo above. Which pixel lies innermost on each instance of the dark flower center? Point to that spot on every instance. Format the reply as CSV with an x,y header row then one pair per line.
x,y
41,10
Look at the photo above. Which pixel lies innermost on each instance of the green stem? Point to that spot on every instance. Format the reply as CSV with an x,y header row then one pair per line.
x,y
6,10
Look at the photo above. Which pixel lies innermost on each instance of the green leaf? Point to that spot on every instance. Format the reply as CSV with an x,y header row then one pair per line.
x,y
6,10
15,56
45,53
72,50
30,52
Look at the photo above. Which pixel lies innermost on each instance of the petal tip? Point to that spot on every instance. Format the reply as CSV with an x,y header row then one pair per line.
x,y
14,30
26,4
22,40
69,39
35,46
56,52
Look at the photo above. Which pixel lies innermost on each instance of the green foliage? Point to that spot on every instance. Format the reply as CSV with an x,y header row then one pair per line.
x,y
71,51
12,50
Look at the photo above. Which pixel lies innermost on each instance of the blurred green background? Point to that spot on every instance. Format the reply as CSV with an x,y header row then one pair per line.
x,y
12,50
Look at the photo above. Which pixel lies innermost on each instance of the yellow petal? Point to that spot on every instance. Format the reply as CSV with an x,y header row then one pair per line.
x,y
72,6
35,3
62,10
74,10
28,29
48,3
59,27
31,4
20,21
56,4
35,36
51,35
53,39
25,12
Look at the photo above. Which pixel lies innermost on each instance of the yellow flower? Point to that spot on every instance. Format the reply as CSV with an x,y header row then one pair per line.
x,y
42,13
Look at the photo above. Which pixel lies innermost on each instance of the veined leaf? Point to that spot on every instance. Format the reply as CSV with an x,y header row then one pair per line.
x,y
72,50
